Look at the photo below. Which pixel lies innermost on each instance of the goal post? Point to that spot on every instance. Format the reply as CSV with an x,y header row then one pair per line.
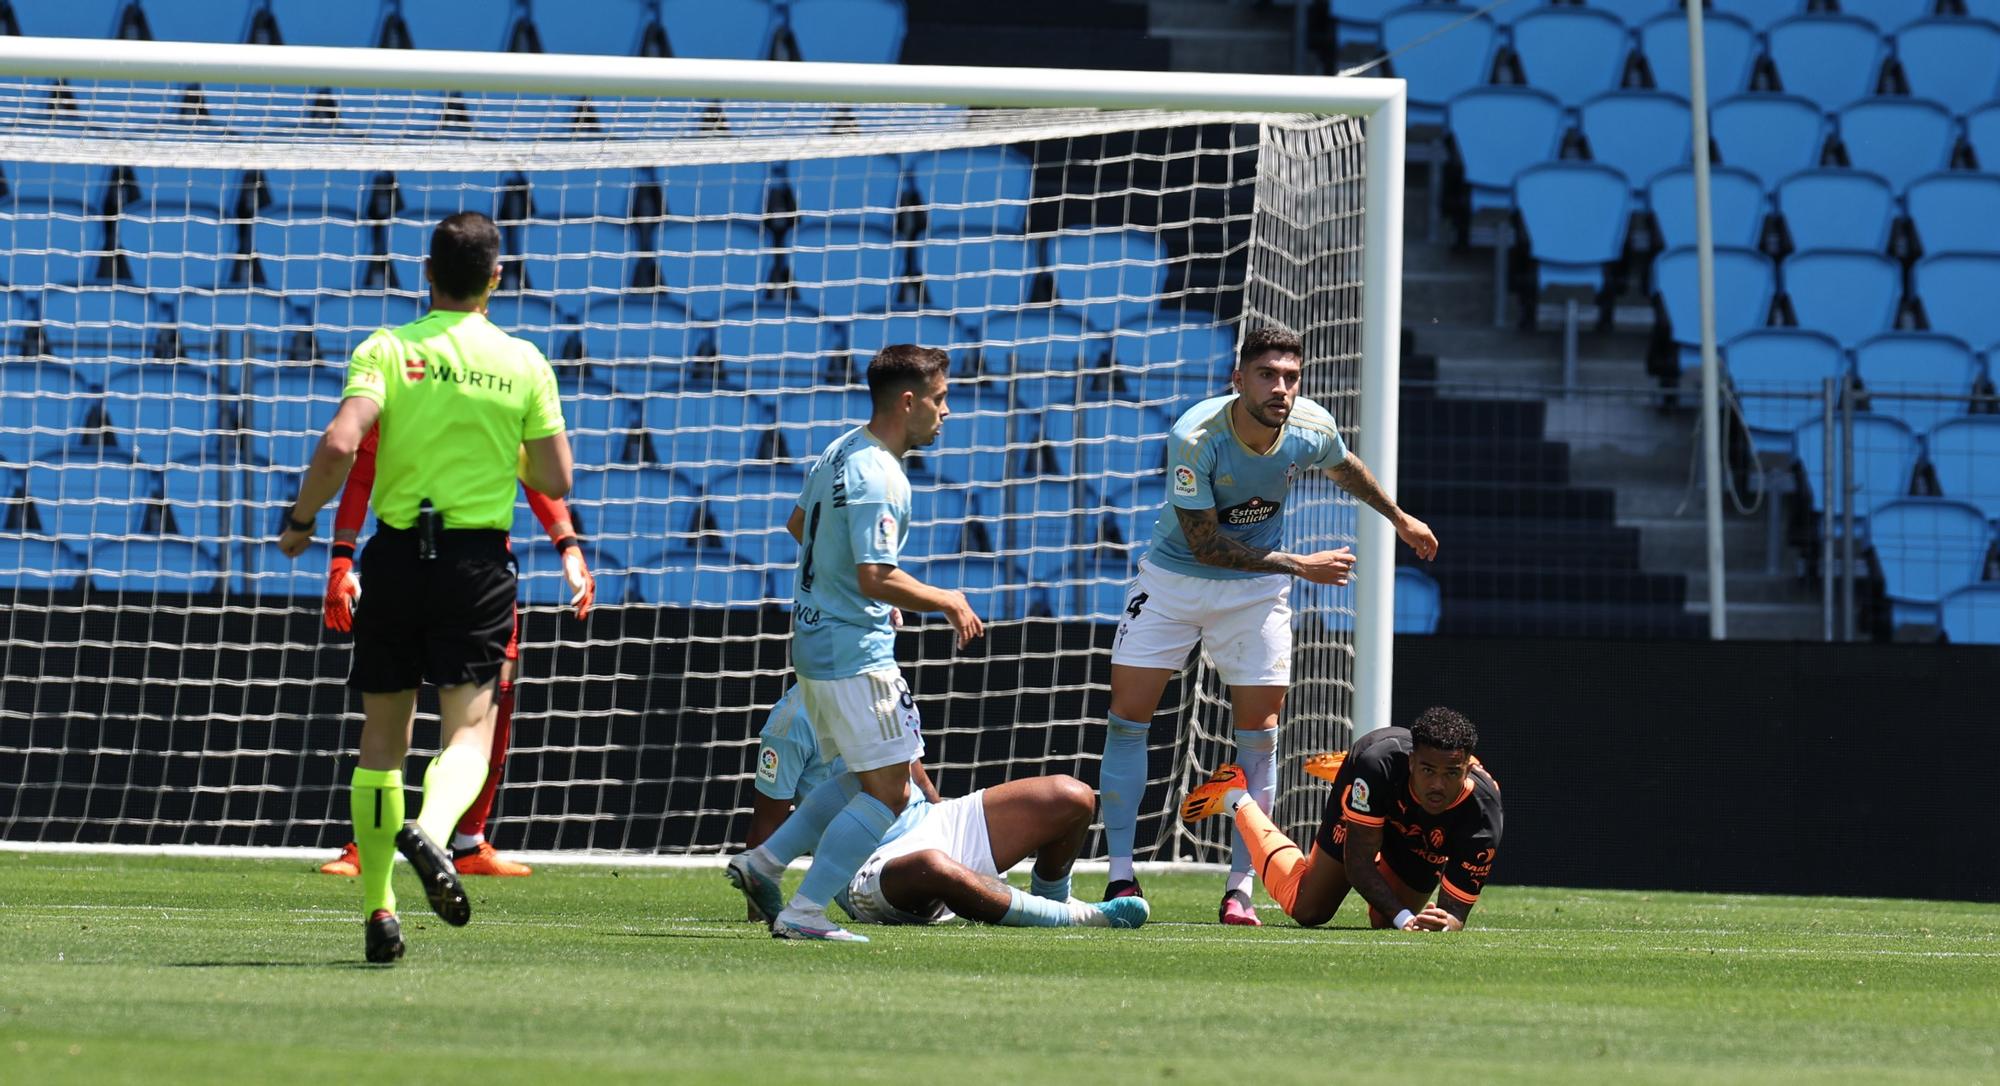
x,y
195,234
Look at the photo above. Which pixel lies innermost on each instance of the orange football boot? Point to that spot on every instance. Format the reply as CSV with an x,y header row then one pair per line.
x,y
348,863
482,860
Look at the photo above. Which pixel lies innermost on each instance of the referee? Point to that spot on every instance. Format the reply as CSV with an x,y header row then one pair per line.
x,y
464,409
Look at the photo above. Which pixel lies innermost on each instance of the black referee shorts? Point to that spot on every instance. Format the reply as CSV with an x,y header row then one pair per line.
x,y
446,620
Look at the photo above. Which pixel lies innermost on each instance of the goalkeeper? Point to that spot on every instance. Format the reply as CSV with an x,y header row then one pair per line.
x,y
465,411
471,853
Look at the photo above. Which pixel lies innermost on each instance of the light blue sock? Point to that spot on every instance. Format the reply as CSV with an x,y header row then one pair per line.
x,y
853,835
1257,753
803,828
1121,784
1029,911
1052,889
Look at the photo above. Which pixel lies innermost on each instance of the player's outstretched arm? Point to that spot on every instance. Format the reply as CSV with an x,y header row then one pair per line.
x,y
890,585
1212,547
1355,478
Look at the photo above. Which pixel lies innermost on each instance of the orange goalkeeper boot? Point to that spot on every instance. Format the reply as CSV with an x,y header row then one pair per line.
x,y
482,860
1325,766
348,863
1208,798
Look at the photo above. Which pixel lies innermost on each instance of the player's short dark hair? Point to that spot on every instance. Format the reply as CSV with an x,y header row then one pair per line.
x,y
464,249
1267,338
902,367
1440,728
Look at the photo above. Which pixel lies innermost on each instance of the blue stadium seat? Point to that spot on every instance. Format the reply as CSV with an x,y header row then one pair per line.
x,y
197,20
939,523
1889,16
639,325
1096,586
480,26
314,22
45,188
1041,524
670,577
174,254
540,321
238,323
1772,135
1760,15
1829,60
1846,294
1168,361
1361,20
720,29
716,190
1574,54
602,429
1957,292
1779,375
702,433
1901,139
1575,214
1501,131
776,355
1885,455
1439,68
82,502
202,505
978,444
1037,340
1925,548
1837,209
56,251
1982,134
1109,276
603,27
180,191
976,272
860,190
1964,454
848,31
1132,508
1924,363
1418,601
157,566
713,265
1633,13
42,409
310,256
74,18
541,581
341,322
36,565
1122,440
1729,49
1744,284
1953,212
626,502
839,271
423,197
1971,615
973,190
808,424
1954,62
870,332
750,506
389,113
588,258
94,323
286,409
583,194
1736,206
1637,133
165,413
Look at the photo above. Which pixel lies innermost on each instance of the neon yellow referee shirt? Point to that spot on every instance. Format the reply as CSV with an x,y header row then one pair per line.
x,y
458,398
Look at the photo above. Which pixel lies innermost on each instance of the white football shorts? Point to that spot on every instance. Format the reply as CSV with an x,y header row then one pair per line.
x,y
869,719
1245,625
956,827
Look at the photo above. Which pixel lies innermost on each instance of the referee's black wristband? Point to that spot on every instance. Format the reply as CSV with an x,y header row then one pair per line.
x,y
298,525
343,550
566,542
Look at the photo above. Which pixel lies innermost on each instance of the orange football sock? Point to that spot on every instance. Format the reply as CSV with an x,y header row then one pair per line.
x,y
1279,863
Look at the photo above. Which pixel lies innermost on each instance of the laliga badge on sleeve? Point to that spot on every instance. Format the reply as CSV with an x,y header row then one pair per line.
x,y
1357,796
1184,481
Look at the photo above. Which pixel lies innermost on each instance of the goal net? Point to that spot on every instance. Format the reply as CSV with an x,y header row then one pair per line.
x,y
189,264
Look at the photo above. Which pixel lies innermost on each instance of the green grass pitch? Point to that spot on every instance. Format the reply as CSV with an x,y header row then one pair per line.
x,y
160,970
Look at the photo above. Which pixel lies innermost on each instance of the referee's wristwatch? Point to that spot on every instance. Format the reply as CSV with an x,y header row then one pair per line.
x,y
295,524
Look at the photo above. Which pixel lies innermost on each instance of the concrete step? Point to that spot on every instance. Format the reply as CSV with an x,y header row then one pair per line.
x,y
1765,621
1748,587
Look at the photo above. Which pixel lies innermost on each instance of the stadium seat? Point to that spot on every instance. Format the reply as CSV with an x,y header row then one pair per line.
x,y
1041,524
76,18
749,505
609,193
1633,13
54,251
938,523
1964,454
1360,21
1438,66
637,325
808,424
201,506
154,566
991,586
97,323
1885,455
287,407
1772,135
42,409
1901,139
973,190
848,31
1037,340
45,188
164,413
602,429
1122,440
1574,54
602,27
239,323
868,333
389,113
576,260
1575,215
1923,363
720,29
1957,294
1637,133
1969,616
1736,207
776,355
315,22
625,502
1109,276
1779,375
713,265
310,256
1168,361
1889,16
858,190
1837,209
1418,601
701,433
1925,548
978,445
1729,49
81,503
168,255
1743,288
1096,586
1982,134
1846,294
479,26
717,190
976,273
1760,15
1956,212
551,328
197,20
1132,508
36,565
1501,131
1954,62
670,577
839,271
341,322
1829,60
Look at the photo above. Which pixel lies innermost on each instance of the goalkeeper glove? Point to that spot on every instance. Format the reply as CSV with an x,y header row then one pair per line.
x,y
343,590
582,586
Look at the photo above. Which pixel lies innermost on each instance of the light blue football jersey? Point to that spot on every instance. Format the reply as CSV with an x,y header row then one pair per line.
x,y
790,764
857,512
1209,467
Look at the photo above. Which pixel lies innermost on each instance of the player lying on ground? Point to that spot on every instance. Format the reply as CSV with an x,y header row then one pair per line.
x,y
471,853
1411,811
1214,576
790,767
948,862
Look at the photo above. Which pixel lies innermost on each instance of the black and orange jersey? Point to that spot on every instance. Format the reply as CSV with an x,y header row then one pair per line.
x,y
1456,846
